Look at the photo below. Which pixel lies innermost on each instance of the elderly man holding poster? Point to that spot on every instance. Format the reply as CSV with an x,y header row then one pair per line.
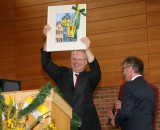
x,y
78,94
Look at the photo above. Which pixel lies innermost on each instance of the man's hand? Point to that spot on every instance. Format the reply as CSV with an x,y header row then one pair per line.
x,y
112,117
46,29
86,41
118,104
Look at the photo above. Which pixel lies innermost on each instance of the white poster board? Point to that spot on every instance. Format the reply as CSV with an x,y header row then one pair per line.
x,y
68,26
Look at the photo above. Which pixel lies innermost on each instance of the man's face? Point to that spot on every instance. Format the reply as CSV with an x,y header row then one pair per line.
x,y
127,71
78,61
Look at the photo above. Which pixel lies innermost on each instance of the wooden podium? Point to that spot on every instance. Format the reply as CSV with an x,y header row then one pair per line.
x,y
61,111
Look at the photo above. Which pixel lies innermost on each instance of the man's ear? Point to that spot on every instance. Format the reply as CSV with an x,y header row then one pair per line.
x,y
85,62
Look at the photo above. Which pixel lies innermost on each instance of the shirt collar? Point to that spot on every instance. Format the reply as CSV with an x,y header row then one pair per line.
x,y
135,77
75,73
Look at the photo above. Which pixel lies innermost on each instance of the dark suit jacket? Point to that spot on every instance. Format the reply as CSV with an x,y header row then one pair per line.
x,y
155,89
80,97
138,106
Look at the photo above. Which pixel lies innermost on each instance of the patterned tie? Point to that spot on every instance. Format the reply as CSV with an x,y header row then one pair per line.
x,y
76,79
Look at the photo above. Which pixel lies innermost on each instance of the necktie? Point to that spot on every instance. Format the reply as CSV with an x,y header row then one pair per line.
x,y
76,79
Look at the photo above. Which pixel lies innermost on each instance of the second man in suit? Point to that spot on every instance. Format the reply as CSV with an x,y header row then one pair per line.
x,y
138,107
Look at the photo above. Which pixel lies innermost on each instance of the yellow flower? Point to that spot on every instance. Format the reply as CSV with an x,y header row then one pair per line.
x,y
10,123
9,100
51,126
42,109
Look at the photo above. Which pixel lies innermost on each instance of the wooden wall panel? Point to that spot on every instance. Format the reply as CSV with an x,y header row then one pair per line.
x,y
153,18
117,28
113,51
30,24
31,12
153,5
29,49
154,60
114,64
126,36
8,74
7,39
7,51
41,10
6,4
6,15
29,36
111,79
154,46
91,3
155,75
153,32
116,78
23,3
28,62
116,11
30,73
34,84
102,26
7,63
101,3
7,27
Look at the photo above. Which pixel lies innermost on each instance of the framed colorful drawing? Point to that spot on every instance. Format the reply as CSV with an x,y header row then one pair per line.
x,y
68,24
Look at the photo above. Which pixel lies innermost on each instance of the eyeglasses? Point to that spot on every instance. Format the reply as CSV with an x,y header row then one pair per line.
x,y
79,60
126,67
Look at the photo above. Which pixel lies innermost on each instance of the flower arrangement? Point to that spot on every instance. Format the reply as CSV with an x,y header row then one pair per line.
x,y
15,115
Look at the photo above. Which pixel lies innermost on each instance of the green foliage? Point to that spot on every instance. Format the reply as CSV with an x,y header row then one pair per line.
x,y
44,92
75,122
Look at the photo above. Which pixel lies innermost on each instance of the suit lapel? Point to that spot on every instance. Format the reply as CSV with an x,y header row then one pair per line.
x,y
80,86
70,78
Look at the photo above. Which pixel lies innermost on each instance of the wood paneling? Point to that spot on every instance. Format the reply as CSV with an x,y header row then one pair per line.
x,y
31,12
154,60
155,75
153,18
31,73
116,11
138,48
29,36
7,63
117,28
7,51
7,39
154,32
91,3
34,84
153,5
30,24
154,46
6,4
124,23
101,3
29,49
28,62
7,15
126,36
116,78
7,27
111,79
114,64
8,74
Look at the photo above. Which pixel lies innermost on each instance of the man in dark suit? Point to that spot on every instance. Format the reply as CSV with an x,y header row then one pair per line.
x,y
79,94
138,99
